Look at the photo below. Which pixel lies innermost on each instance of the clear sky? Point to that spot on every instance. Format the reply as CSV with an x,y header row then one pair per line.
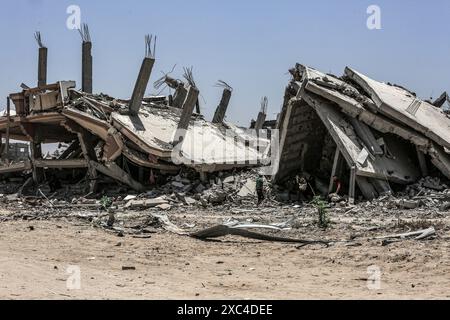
x,y
249,44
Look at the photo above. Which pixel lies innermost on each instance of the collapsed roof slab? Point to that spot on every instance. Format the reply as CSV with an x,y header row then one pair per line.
x,y
356,109
402,105
342,132
206,146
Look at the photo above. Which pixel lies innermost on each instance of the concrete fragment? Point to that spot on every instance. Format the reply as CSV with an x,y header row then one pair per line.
x,y
249,189
145,204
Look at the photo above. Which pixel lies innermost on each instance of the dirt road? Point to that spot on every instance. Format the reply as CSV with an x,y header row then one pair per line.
x,y
35,257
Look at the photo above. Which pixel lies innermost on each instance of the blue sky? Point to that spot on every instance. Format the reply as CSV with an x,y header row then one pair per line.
x,y
249,44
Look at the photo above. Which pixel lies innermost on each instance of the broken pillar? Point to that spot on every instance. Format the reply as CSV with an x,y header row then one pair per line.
x,y
8,115
186,114
260,121
352,185
141,85
221,110
87,67
422,162
337,168
86,63
262,114
42,63
143,78
180,96
441,100
36,154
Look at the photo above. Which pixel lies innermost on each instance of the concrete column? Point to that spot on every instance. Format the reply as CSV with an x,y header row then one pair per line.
x,y
186,114
86,72
36,154
260,121
8,115
42,67
221,110
422,162
352,187
141,85
180,96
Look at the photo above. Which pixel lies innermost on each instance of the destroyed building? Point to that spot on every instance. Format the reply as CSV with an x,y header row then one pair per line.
x,y
374,136
129,141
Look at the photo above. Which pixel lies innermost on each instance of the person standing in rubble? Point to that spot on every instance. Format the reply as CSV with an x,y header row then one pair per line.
x,y
260,189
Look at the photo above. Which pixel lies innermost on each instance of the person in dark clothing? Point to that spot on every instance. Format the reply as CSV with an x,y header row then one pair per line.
x,y
260,189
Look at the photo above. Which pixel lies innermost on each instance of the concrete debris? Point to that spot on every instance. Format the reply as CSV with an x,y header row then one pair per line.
x,y
145,204
373,137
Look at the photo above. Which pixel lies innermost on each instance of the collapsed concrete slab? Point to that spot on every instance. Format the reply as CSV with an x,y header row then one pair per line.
x,y
400,104
325,119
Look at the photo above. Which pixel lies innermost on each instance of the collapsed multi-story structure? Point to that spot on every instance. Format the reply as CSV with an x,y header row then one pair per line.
x,y
373,135
129,141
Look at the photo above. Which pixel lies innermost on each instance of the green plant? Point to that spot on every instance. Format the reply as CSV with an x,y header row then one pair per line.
x,y
105,202
321,206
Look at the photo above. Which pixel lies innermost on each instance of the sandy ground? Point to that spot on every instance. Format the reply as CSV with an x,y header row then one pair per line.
x,y
35,257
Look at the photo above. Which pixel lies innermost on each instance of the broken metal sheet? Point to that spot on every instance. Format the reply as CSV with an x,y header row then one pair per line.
x,y
403,106
168,225
223,230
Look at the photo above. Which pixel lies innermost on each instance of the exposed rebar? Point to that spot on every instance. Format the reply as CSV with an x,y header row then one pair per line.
x,y
189,76
163,80
223,84
38,38
84,33
149,51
